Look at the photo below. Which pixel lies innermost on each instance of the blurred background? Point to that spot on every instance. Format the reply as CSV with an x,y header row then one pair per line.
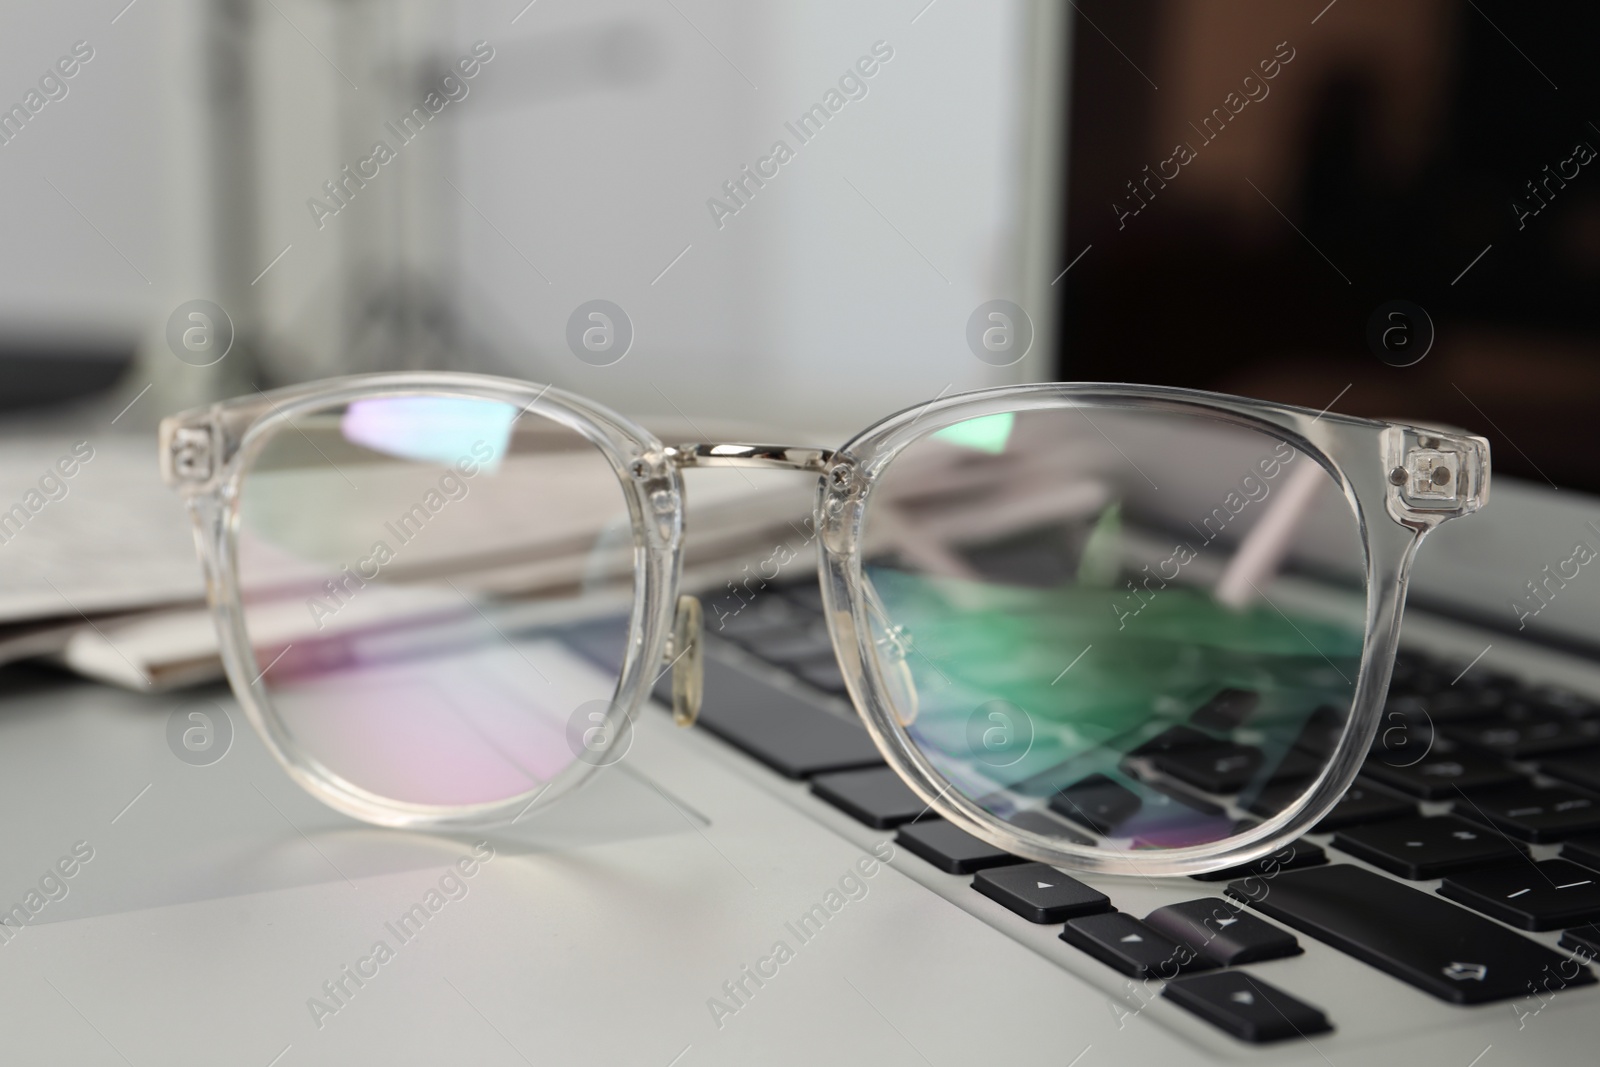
x,y
580,160
1424,153
793,219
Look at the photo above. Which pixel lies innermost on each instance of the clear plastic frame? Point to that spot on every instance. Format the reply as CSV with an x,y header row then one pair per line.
x,y
969,548
211,456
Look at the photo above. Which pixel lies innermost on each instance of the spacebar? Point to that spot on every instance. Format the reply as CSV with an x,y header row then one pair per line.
x,y
1417,937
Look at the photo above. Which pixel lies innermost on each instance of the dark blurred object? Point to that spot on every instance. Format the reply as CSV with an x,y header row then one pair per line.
x,y
1408,152
41,373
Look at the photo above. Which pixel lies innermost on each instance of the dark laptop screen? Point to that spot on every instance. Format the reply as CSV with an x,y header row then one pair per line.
x,y
1285,200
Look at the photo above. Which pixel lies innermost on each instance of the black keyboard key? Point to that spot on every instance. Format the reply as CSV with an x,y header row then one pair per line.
x,y
1173,739
1123,942
1532,814
1220,931
793,647
1583,939
876,796
1405,735
1581,769
1296,766
1438,775
1535,896
1361,803
952,849
766,616
1296,854
1097,803
1164,794
1427,846
1322,731
806,595
1246,1007
1488,678
1417,673
1040,893
1442,949
1526,736
825,675
1043,823
1226,711
1460,703
792,735
1584,850
1219,767
1563,700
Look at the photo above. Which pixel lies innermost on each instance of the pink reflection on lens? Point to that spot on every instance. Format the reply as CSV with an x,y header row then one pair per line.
x,y
433,429
397,733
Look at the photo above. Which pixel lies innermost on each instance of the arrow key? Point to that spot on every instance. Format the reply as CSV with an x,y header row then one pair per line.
x,y
1040,893
1223,933
1246,1007
1123,942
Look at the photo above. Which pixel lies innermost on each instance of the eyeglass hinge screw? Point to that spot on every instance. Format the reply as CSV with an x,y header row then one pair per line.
x,y
190,455
1398,476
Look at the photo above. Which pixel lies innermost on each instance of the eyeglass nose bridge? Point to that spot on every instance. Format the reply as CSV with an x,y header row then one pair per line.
x,y
683,646
769,457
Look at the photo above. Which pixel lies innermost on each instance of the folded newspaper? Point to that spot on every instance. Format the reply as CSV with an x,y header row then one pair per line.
x,y
100,575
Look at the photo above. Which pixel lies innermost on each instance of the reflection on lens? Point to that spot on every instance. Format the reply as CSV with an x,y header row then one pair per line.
x,y
433,588
1118,625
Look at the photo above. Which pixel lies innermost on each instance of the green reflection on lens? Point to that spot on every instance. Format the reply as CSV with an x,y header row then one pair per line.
x,y
1096,680
987,434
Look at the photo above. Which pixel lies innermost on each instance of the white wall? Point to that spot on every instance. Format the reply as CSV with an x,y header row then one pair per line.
x,y
841,291
589,147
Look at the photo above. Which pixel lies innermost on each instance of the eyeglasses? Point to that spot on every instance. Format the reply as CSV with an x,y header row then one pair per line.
x,y
1099,626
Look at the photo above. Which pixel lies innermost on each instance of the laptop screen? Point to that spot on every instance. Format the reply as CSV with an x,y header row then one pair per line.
x,y
1389,210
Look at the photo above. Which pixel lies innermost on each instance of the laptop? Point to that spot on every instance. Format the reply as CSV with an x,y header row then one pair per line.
x,y
762,889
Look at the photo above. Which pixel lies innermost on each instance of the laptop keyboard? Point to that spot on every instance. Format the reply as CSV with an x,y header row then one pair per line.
x,y
1503,765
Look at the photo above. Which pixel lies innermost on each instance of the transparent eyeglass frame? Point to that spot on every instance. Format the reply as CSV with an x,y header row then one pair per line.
x,y
1400,482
